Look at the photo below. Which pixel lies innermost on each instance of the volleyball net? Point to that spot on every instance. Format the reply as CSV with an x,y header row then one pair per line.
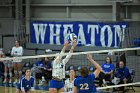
x,y
129,55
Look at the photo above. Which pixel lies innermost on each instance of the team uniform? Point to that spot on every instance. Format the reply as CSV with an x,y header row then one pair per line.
x,y
85,84
26,85
106,68
123,73
68,85
58,72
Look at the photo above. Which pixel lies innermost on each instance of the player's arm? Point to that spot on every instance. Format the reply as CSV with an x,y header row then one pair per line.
x,y
71,51
74,89
32,86
62,51
22,86
97,66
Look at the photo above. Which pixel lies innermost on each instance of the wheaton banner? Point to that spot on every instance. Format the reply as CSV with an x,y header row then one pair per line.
x,y
88,33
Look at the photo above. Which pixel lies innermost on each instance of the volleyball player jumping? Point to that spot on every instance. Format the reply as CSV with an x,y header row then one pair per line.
x,y
85,83
58,72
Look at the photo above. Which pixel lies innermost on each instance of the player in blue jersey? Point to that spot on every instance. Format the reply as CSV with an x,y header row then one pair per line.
x,y
26,84
85,82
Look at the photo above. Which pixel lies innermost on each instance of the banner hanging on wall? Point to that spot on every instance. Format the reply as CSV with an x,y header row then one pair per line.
x,y
88,33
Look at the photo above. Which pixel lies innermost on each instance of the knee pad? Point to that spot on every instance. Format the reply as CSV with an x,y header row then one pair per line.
x,y
10,74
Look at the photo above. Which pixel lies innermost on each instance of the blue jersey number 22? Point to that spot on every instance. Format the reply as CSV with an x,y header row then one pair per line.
x,y
84,86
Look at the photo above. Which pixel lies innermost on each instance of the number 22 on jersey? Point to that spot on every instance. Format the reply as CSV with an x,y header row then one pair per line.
x,y
84,86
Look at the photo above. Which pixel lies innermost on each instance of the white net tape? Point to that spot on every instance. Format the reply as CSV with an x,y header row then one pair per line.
x,y
121,85
76,53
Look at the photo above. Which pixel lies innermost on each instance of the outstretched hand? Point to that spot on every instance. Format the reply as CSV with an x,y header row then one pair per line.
x,y
74,43
89,56
66,43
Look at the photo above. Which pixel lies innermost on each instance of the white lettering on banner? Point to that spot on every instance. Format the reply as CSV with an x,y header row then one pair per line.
x,y
92,29
119,32
40,30
57,33
68,28
81,35
102,37
114,33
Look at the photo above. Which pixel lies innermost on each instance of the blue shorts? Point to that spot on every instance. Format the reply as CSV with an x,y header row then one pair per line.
x,y
19,87
56,84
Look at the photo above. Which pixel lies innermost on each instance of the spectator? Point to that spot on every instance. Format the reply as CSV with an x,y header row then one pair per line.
x,y
47,70
37,68
17,51
107,70
7,70
122,74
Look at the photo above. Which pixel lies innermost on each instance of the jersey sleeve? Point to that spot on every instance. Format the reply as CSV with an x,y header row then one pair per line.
x,y
92,76
22,84
32,84
75,82
58,58
112,67
65,60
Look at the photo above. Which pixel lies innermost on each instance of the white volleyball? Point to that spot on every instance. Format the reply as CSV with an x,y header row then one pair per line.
x,y
71,37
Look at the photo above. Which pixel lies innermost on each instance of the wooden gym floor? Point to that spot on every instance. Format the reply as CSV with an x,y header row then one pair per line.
x,y
12,90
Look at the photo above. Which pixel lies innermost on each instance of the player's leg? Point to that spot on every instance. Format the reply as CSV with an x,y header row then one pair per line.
x,y
10,72
53,86
60,86
101,78
17,71
53,90
5,72
61,90
29,91
18,91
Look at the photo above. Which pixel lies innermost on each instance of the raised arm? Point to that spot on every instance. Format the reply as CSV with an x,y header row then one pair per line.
x,y
62,51
96,65
71,51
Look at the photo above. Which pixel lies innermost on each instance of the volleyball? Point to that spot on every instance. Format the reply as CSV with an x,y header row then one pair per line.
x,y
71,37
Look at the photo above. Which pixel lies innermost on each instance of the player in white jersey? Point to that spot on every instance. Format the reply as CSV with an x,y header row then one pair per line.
x,y
69,82
58,72
17,51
